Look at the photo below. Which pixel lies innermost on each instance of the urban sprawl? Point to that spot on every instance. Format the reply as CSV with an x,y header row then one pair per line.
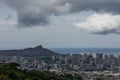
x,y
87,65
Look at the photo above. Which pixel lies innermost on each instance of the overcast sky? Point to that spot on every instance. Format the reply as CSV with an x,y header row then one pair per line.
x,y
60,23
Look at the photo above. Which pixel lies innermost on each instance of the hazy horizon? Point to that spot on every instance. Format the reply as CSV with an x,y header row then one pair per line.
x,y
21,47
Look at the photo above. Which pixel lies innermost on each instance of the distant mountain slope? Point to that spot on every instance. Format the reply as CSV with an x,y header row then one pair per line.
x,y
36,51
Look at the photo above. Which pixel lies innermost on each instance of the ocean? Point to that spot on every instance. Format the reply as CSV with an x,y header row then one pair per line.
x,y
108,51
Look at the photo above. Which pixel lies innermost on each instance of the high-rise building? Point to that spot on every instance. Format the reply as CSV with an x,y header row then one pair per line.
x,y
99,60
14,59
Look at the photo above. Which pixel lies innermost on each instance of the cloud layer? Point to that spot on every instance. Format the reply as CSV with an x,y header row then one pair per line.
x,y
37,12
101,24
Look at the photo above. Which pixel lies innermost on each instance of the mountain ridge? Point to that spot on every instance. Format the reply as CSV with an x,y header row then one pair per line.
x,y
31,51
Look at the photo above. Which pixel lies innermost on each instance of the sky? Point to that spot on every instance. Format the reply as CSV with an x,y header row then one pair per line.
x,y
59,23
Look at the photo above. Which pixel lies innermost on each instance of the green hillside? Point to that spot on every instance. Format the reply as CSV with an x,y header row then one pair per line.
x,y
10,72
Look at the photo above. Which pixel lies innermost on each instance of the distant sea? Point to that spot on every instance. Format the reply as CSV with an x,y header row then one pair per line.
x,y
108,51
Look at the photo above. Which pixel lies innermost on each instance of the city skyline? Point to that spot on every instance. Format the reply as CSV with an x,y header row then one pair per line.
x,y
59,24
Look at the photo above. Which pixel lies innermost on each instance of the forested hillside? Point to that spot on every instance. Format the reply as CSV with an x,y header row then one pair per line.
x,y
10,72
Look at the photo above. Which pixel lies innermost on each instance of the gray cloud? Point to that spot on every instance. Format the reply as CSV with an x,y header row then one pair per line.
x,y
8,17
37,12
97,5
105,32
101,23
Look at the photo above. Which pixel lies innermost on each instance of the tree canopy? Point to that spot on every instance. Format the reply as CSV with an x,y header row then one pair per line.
x,y
10,72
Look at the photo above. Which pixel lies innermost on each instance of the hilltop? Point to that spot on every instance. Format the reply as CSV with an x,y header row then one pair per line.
x,y
35,51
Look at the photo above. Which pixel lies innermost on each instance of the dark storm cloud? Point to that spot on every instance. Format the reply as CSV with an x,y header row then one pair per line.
x,y
37,12
31,19
97,5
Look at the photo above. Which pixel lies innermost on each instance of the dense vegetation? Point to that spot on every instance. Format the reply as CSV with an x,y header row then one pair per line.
x,y
10,72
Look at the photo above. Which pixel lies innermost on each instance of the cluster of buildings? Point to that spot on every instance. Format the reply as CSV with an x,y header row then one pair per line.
x,y
89,62
68,62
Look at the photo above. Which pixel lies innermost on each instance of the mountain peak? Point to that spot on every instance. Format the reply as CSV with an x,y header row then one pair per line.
x,y
39,47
